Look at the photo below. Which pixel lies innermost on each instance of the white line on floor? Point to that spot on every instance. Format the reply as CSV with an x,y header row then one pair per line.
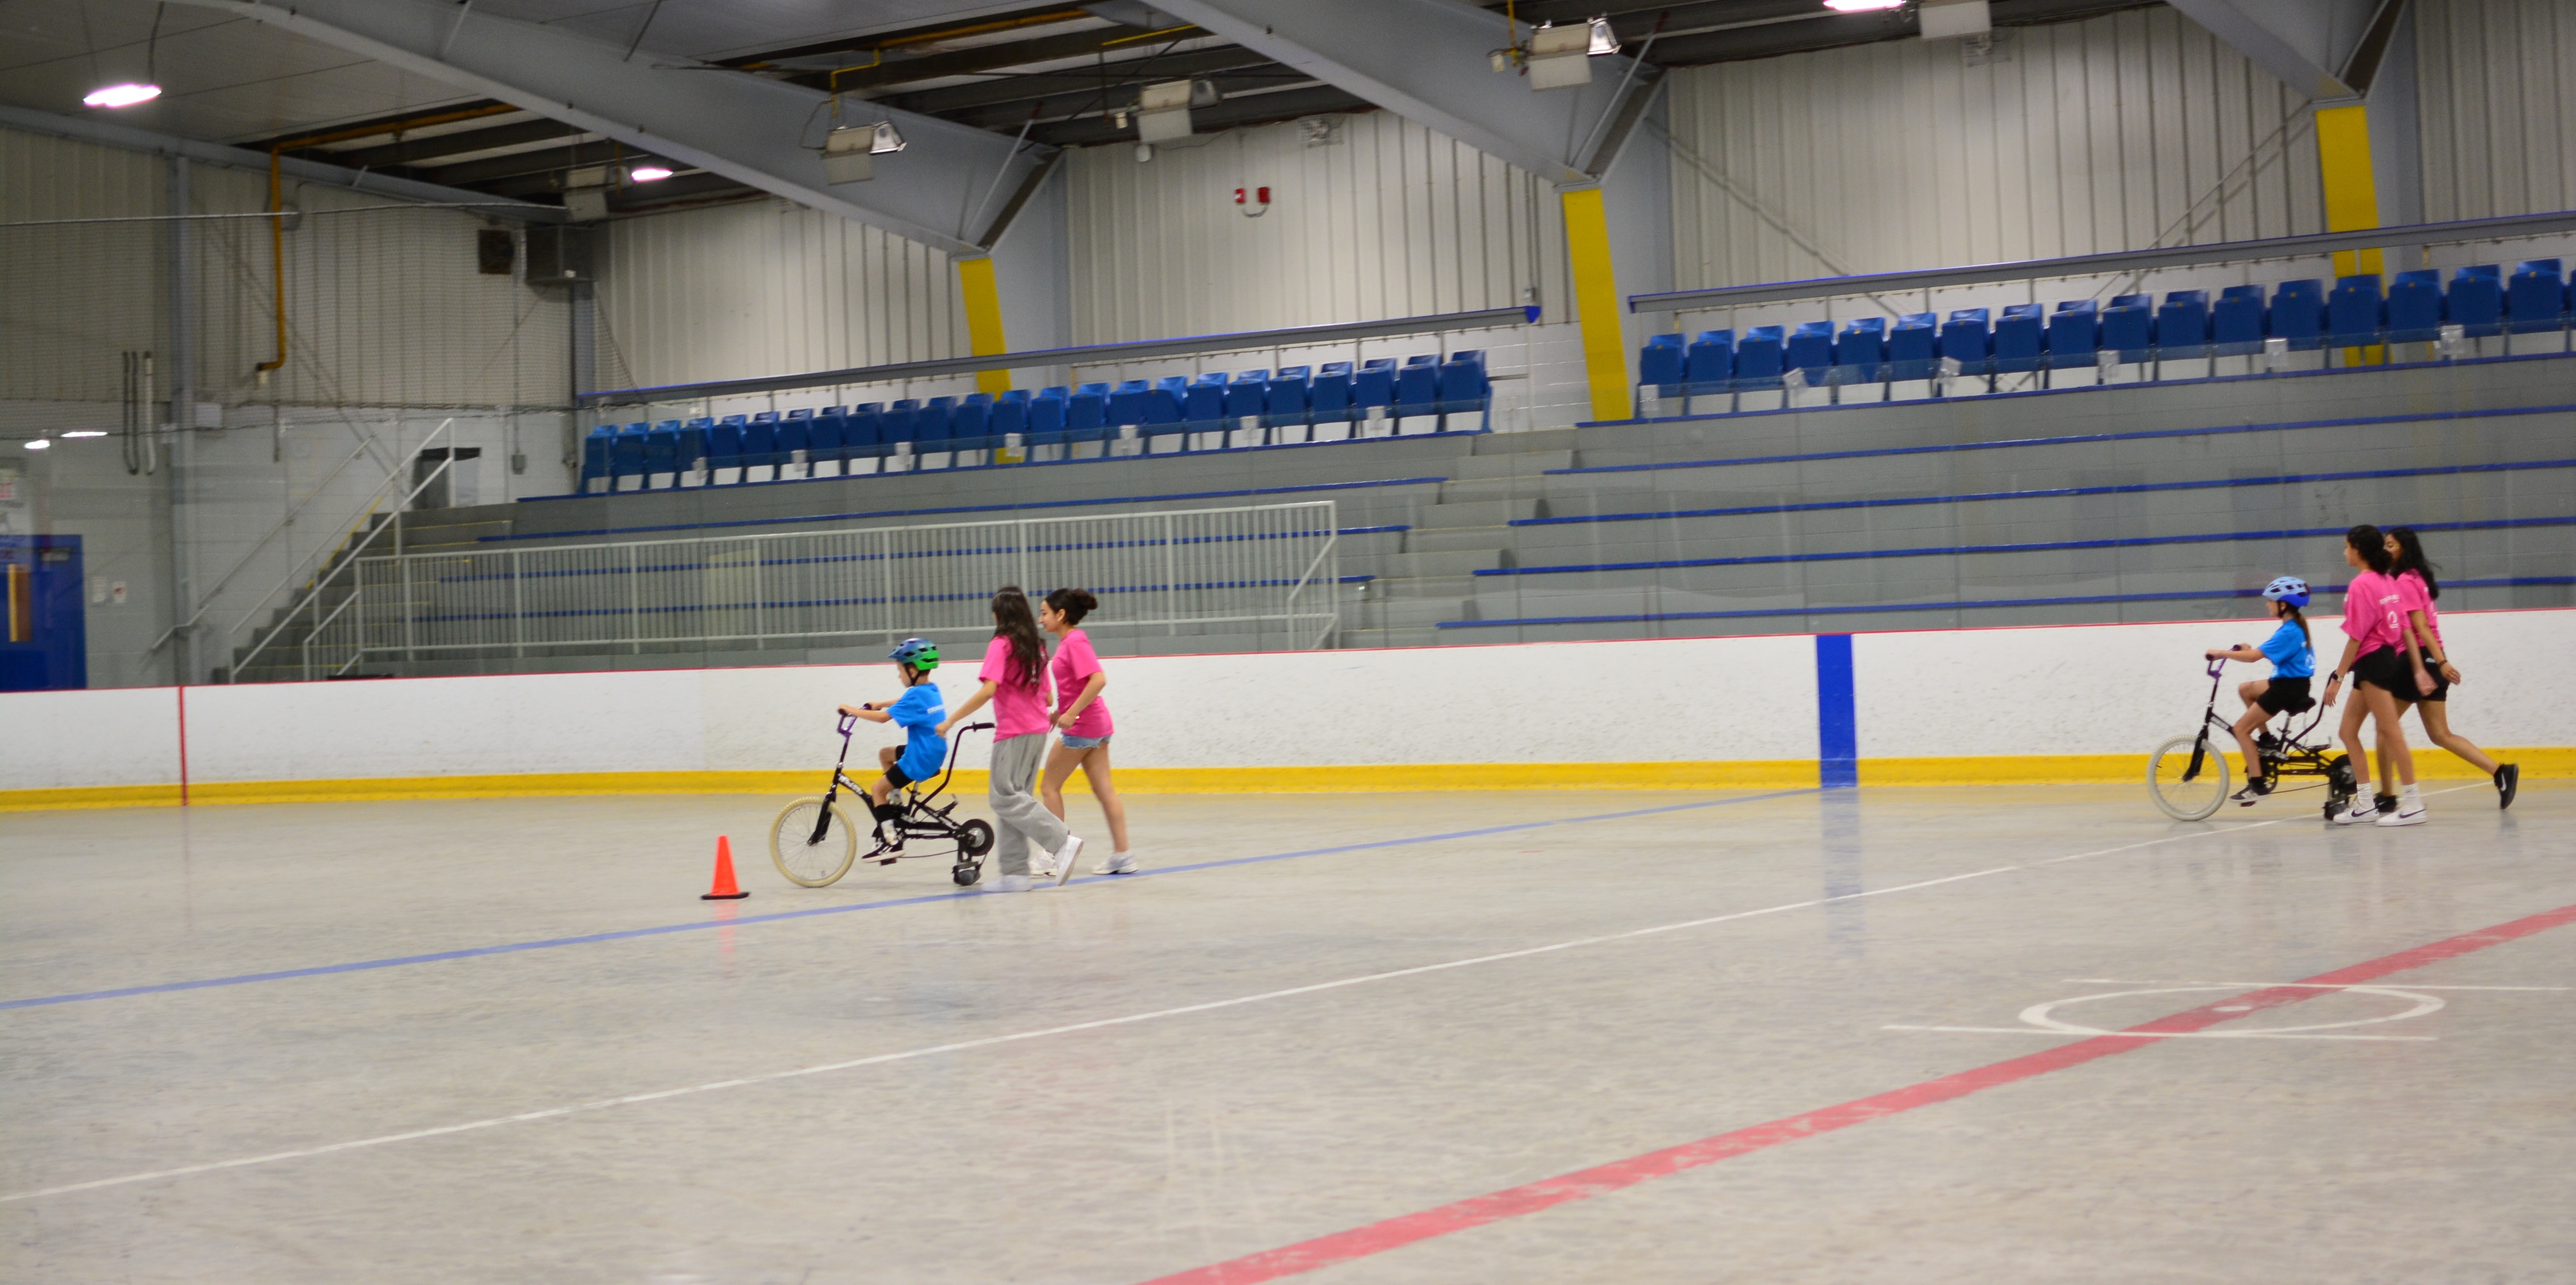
x,y
962,1046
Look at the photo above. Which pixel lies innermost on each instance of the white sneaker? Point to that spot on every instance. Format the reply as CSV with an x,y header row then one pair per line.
x,y
1012,883
2362,809
1063,858
2410,810
1119,863
1042,866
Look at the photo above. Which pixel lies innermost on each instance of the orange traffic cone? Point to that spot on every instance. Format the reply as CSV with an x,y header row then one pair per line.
x,y
725,889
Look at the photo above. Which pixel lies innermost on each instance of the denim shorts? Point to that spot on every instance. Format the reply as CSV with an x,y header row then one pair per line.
x,y
1073,742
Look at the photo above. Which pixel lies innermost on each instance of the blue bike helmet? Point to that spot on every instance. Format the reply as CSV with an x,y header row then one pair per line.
x,y
923,654
2289,589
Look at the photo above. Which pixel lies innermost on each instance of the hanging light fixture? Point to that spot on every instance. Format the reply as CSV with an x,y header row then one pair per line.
x,y
124,95
649,173
1604,40
39,444
1862,6
883,139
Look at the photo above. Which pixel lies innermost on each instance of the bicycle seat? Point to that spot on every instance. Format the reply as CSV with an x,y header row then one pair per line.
x,y
2300,706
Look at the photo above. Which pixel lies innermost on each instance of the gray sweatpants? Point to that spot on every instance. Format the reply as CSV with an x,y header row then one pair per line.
x,y
1018,817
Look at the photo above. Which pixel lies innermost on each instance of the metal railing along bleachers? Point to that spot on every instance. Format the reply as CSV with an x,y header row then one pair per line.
x,y
1267,570
2519,307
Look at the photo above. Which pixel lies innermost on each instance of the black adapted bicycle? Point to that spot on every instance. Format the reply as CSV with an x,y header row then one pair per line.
x,y
815,842
2188,777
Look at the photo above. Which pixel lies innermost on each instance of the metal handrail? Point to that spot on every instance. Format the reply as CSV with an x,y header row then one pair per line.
x,y
313,592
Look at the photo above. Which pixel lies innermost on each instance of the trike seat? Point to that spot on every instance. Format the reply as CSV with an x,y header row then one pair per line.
x,y
2301,706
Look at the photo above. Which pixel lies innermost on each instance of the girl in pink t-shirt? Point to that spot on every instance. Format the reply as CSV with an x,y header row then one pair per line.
x,y
2419,587
1084,720
1014,664
2381,664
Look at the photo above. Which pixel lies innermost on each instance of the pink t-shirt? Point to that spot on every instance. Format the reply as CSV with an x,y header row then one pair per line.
x,y
2372,611
1019,708
2413,596
1073,666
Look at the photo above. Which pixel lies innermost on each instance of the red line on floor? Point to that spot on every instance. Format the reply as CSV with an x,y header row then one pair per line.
x,y
1394,1233
183,745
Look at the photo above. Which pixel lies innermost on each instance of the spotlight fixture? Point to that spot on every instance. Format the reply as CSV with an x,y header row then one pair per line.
x,y
39,444
1862,6
1603,40
883,139
649,173
1561,57
125,95
85,432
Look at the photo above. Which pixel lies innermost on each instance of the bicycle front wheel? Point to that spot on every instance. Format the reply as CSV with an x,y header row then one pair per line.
x,y
813,850
2180,792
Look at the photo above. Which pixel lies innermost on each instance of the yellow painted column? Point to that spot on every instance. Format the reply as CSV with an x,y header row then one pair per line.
x,y
983,320
1596,304
2352,196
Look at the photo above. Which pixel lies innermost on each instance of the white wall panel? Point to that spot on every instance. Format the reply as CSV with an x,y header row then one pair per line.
x,y
767,288
2498,97
2120,132
1391,220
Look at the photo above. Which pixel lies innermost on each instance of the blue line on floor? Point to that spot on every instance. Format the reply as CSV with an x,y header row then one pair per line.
x,y
366,965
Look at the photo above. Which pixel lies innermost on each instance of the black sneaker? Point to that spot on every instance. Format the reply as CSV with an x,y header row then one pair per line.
x,y
2507,780
2384,803
2255,788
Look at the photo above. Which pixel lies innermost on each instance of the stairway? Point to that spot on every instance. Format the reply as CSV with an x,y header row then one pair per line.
x,y
1466,530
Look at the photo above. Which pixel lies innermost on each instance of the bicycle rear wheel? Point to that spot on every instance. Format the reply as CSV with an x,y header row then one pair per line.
x,y
806,860
2196,797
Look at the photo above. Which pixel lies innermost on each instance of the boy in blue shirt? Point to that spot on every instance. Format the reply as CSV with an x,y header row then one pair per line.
x,y
2294,664
919,711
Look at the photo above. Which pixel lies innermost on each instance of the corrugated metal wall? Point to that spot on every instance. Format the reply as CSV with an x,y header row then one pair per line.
x,y
2498,95
764,288
1388,220
68,307
2120,132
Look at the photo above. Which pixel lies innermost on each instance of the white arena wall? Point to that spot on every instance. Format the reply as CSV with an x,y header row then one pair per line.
x,y
2031,704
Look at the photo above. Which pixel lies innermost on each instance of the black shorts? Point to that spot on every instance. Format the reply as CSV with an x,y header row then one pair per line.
x,y
2441,689
898,777
2387,670
2283,695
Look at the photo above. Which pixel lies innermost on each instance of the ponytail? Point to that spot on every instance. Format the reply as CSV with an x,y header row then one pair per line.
x,y
1072,604
2300,619
2367,541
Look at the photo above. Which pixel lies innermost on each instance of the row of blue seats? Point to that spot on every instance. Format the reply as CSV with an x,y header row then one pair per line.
x,y
2303,314
1256,407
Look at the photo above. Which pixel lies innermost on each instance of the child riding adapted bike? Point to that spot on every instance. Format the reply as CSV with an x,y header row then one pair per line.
x,y
2188,780
814,842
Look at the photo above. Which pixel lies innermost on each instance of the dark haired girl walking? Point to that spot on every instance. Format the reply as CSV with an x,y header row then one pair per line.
x,y
1083,718
2417,580
1014,663
2381,666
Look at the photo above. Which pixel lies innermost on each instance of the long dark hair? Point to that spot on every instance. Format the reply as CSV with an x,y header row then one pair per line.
x,y
2410,557
2371,545
1072,604
1012,620
2296,617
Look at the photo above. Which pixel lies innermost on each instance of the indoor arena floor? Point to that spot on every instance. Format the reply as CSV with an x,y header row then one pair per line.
x,y
1524,1037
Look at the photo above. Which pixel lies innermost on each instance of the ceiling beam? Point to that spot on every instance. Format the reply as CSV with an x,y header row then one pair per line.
x,y
90,130
2304,44
418,152
1429,62
1247,109
942,191
984,58
1027,86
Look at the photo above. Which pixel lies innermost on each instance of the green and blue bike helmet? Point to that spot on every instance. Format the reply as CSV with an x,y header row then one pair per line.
x,y
920,653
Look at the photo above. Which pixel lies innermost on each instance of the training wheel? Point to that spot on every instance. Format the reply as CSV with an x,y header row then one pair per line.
x,y
975,838
966,875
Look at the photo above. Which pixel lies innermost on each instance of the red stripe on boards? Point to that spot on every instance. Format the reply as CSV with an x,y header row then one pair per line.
x,y
183,745
1601,1180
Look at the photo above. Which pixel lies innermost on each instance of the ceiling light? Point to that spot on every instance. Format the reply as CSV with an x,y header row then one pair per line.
x,y
38,444
1862,6
86,432
649,173
1604,40
884,139
125,95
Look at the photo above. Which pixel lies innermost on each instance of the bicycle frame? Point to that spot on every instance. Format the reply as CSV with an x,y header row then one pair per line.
x,y
840,776
2293,756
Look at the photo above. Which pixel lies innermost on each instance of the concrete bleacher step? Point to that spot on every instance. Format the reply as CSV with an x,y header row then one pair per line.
x,y
1476,513
1517,464
1456,562
1451,539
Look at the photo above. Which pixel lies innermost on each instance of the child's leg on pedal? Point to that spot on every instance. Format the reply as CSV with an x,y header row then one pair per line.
x,y
2246,724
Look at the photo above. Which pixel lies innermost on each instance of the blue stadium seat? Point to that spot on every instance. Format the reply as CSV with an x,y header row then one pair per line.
x,y
1861,350
2299,314
1086,418
2183,326
692,455
1203,411
796,443
1166,402
863,439
1244,400
1127,404
1708,368
1373,392
1286,404
1417,395
1914,347
1007,428
1809,350
2535,297
831,442
2237,323
1050,413
760,444
2019,336
931,433
1333,399
626,458
970,429
724,447
597,448
1660,366
901,427
1759,358
1466,393
2415,307
2355,312
2129,326
1966,340
662,452
2476,301
2074,335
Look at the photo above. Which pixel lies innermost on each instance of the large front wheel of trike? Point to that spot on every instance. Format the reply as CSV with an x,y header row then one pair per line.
x,y
813,848
2183,789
